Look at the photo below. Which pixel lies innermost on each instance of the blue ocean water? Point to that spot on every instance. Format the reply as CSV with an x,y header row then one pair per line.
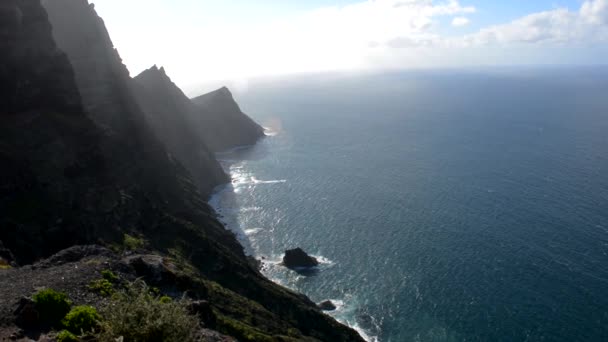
x,y
445,205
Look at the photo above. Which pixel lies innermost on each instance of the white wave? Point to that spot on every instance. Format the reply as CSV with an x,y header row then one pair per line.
x,y
269,132
363,333
257,181
249,209
323,260
252,231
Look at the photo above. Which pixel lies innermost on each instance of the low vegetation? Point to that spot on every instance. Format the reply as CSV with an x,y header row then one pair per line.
x,y
81,320
105,285
4,265
66,336
52,306
137,314
133,243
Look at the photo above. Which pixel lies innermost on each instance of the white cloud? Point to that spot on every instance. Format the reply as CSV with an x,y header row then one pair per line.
x,y
558,26
460,21
369,34
596,12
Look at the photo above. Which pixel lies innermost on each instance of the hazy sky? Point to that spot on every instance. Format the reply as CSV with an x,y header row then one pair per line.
x,y
202,40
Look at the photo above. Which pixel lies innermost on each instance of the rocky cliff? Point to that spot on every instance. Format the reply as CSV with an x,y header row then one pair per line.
x,y
222,123
83,167
168,111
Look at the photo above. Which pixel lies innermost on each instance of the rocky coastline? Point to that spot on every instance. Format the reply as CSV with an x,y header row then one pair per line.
x,y
102,188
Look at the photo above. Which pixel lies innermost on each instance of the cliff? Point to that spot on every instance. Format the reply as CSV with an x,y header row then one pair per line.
x,y
222,123
168,110
80,165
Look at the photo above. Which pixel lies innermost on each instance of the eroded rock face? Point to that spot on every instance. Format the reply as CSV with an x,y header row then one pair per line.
x,y
297,258
222,123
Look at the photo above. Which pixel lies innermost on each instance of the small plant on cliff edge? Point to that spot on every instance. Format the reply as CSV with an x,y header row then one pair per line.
x,y
132,243
66,336
81,320
51,305
4,265
102,286
109,276
137,315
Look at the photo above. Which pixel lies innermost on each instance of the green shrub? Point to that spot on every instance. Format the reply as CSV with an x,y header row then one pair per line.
x,y
81,319
66,336
102,286
132,243
137,315
51,305
109,276
165,299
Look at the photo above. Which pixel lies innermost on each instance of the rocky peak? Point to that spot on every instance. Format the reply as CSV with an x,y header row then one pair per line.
x,y
222,123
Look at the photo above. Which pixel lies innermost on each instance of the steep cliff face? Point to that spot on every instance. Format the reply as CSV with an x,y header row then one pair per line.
x,y
71,175
167,110
100,75
222,123
50,151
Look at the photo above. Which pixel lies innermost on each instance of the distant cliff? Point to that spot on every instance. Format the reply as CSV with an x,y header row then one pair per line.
x,y
81,165
222,123
168,111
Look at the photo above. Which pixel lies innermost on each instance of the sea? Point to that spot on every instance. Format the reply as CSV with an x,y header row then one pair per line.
x,y
443,205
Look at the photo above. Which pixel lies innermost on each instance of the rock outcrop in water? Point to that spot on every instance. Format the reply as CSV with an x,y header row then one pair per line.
x,y
89,170
220,120
297,258
327,305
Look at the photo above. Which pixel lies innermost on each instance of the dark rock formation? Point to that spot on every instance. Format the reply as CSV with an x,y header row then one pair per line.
x,y
168,111
222,123
327,305
296,258
80,174
50,152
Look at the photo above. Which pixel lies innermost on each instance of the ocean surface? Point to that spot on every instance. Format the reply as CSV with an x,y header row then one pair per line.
x,y
444,205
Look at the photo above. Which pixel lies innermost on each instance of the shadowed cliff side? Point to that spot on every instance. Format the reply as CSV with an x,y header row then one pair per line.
x,y
68,180
51,153
167,110
222,123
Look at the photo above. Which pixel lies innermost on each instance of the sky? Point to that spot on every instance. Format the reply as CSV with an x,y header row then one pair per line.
x,y
206,40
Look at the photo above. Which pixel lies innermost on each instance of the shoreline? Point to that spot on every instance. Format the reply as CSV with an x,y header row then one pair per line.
x,y
215,202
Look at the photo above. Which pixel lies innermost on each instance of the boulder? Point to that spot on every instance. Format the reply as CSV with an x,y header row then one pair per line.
x,y
327,305
297,258
26,315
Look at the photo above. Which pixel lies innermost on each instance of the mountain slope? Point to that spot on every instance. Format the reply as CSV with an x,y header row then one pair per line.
x,y
167,110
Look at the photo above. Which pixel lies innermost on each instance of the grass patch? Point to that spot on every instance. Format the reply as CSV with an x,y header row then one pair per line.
x,y
52,306
138,315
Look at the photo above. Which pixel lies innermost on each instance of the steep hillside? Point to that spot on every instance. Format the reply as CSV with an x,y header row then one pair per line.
x,y
168,111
